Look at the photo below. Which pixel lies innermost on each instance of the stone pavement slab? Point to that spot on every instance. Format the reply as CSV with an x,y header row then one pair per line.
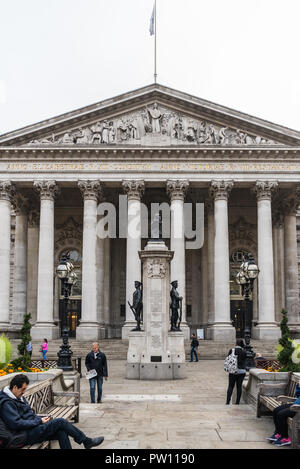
x,y
137,414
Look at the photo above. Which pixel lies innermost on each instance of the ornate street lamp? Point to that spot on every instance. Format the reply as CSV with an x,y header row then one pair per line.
x,y
65,272
245,277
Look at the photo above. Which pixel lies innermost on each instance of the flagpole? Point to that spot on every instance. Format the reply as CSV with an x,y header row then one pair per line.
x,y
155,54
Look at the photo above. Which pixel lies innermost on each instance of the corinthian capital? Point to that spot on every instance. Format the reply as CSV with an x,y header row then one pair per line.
x,y
48,190
177,188
264,189
220,189
91,190
7,190
134,188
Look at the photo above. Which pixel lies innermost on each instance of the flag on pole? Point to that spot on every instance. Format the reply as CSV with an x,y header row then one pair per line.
x,y
152,20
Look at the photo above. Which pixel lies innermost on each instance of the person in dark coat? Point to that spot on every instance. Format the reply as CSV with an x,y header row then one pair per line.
x,y
21,420
237,378
194,347
96,360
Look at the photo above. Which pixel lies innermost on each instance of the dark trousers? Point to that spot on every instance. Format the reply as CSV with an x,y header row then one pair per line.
x,y
57,429
238,380
194,351
93,381
280,417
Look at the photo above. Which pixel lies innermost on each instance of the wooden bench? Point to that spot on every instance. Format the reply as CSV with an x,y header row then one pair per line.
x,y
273,395
44,401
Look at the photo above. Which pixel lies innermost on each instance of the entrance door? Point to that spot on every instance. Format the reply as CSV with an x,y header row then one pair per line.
x,y
73,315
238,316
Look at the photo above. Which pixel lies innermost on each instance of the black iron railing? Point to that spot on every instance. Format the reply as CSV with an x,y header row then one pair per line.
x,y
52,364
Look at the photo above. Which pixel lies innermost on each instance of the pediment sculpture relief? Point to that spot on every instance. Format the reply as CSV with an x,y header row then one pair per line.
x,y
154,125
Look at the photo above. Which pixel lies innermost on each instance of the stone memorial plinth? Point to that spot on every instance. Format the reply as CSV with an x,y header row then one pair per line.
x,y
155,353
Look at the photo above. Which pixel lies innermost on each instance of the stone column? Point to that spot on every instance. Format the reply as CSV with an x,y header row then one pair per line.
x,y
32,262
44,327
106,296
20,261
100,243
7,191
89,325
290,206
278,250
222,328
134,190
266,328
209,208
177,188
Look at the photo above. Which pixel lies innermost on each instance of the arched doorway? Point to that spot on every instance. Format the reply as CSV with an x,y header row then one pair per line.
x,y
74,303
237,302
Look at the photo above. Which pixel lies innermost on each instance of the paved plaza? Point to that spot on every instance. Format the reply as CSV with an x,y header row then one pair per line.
x,y
187,413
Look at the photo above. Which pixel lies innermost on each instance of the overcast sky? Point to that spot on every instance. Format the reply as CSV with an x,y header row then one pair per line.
x,y
59,55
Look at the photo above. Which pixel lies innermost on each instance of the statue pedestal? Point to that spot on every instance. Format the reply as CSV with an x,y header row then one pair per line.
x,y
155,353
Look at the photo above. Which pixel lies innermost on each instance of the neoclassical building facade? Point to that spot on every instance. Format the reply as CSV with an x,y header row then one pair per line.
x,y
152,145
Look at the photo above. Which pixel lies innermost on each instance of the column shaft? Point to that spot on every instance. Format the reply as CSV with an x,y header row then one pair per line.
x,y
222,328
89,324
177,189
291,269
266,328
44,326
20,269
6,192
134,190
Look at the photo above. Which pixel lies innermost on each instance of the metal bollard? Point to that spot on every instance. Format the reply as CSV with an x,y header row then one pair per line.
x,y
79,366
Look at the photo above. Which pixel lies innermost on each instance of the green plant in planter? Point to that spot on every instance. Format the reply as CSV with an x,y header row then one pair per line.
x,y
24,358
286,347
6,351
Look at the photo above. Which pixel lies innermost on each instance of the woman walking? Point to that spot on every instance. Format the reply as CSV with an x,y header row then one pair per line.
x,y
237,377
45,349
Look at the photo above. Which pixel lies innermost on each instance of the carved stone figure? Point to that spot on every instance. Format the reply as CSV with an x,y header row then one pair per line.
x,y
82,136
67,138
105,132
224,139
111,133
175,305
155,115
97,133
156,120
191,131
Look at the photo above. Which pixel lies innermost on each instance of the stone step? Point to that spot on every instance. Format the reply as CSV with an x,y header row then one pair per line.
x,y
116,349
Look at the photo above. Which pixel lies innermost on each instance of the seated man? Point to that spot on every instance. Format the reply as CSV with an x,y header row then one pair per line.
x,y
281,414
20,418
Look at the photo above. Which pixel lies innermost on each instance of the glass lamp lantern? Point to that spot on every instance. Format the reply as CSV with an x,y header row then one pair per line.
x,y
240,278
62,270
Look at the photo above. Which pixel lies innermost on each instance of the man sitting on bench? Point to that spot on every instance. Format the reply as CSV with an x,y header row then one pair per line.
x,y
20,418
281,414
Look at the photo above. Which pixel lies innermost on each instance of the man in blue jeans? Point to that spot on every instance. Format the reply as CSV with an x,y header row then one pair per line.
x,y
21,420
194,348
96,360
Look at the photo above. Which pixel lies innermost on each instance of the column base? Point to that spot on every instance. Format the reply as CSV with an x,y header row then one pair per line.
x,y
266,331
88,331
43,330
222,332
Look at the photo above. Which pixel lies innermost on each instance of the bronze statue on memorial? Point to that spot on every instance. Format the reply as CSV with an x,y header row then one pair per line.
x,y
175,305
137,305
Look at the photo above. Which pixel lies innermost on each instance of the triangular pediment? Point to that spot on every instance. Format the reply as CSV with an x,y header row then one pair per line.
x,y
152,116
